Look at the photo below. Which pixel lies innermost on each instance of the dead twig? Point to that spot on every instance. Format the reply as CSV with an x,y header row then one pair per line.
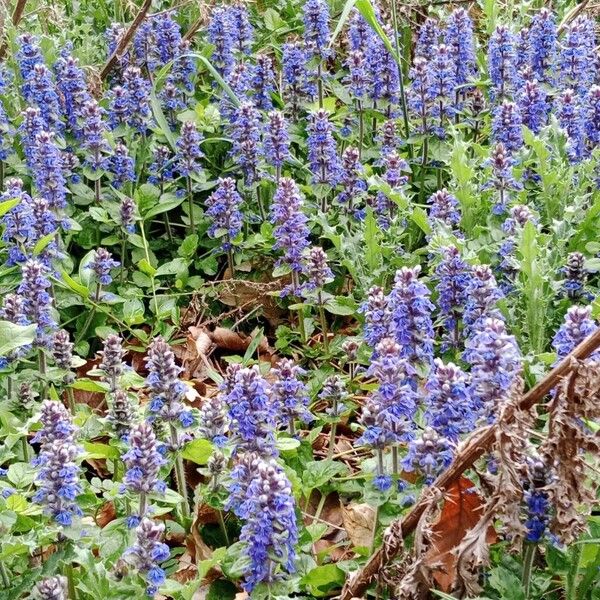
x,y
16,18
125,40
475,447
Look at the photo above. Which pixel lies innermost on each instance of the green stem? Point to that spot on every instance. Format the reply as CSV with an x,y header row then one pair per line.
x,y
323,320
71,400
230,262
25,448
528,558
143,505
180,473
571,582
361,130
400,74
259,201
42,362
331,447
320,84
223,527
70,575
190,203
90,318
4,575
123,257
320,507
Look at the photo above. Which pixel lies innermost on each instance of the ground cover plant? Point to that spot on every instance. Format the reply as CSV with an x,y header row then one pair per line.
x,y
299,300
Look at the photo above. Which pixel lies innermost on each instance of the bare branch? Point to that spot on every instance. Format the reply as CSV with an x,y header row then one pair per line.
x,y
125,40
475,447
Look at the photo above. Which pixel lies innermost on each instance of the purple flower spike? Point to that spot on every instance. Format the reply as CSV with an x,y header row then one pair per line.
x,y
37,302
122,166
542,36
245,133
429,38
378,319
167,391
429,455
448,403
291,231
252,412
578,324
276,140
143,461
501,59
411,316
102,264
322,151
263,82
316,27
223,207
454,277
290,394
188,155
58,475
148,552
507,126
495,362
270,531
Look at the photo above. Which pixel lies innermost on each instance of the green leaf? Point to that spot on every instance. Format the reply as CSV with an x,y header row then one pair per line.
x,y
198,451
145,267
43,242
341,305
165,205
82,290
21,474
273,21
372,245
133,311
286,444
365,8
324,577
159,116
342,21
419,217
89,385
320,472
15,336
96,450
7,205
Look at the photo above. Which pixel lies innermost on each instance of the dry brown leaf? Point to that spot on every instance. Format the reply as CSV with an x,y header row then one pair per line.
x,y
460,512
186,570
359,523
106,514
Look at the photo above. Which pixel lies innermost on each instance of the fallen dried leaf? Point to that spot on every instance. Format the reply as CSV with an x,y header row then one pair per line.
x,y
460,512
106,514
359,523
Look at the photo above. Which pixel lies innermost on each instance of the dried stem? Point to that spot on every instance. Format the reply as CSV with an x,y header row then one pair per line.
x,y
475,446
16,18
125,40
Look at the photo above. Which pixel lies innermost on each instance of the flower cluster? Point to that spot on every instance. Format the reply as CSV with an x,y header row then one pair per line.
x,y
223,207
148,552
245,133
187,159
575,275
322,152
212,421
291,229
411,310
143,462
270,531
290,394
578,324
495,362
252,412
102,264
448,403
453,276
429,455
167,391
58,472
378,318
